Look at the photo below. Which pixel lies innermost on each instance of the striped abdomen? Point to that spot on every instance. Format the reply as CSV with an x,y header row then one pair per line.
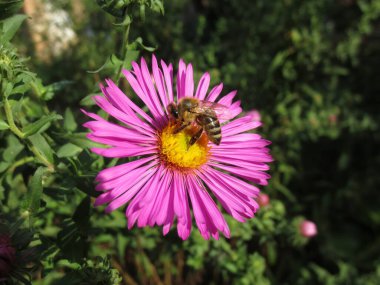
x,y
212,128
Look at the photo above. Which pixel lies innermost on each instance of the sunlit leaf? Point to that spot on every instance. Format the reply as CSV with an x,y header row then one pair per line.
x,y
10,27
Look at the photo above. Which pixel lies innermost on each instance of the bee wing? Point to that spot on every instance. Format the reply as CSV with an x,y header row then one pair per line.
x,y
206,107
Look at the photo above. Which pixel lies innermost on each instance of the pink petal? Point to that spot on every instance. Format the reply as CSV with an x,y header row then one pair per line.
x,y
239,206
251,175
124,152
142,198
203,85
215,92
119,170
239,126
207,215
181,77
227,100
152,94
124,194
235,183
247,163
159,80
114,89
141,91
118,182
168,75
119,115
189,81
181,207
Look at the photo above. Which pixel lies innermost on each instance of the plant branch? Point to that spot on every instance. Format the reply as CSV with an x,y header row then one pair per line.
x,y
11,122
14,129
124,47
20,162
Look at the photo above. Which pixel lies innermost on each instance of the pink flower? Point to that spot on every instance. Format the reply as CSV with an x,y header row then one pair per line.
x,y
263,200
168,177
255,115
308,229
7,256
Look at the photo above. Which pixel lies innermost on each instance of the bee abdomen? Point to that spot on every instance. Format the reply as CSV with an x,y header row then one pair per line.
x,y
213,131
212,128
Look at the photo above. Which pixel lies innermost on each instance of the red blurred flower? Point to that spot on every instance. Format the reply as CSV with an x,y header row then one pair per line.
x,y
263,200
7,256
308,229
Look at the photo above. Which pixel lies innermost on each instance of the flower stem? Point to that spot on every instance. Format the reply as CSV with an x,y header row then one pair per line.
x,y
21,135
20,162
41,158
11,122
124,47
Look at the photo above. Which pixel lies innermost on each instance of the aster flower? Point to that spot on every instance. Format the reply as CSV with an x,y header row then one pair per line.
x,y
167,174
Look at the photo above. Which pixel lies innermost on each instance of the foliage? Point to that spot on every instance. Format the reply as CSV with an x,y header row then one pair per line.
x,y
309,67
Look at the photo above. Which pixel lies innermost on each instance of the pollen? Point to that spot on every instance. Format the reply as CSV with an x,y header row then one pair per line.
x,y
175,150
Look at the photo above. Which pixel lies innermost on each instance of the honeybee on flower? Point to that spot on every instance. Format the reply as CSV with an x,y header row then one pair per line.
x,y
189,148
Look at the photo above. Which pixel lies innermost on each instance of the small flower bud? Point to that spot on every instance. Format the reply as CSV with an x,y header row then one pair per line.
x,y
308,229
263,200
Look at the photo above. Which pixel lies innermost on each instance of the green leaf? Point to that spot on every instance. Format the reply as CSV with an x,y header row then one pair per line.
x,y
40,124
69,150
142,12
157,6
50,90
13,149
3,125
132,55
10,27
21,89
139,41
81,140
33,197
42,146
126,21
81,215
69,122
112,63
7,88
8,8
3,166
87,101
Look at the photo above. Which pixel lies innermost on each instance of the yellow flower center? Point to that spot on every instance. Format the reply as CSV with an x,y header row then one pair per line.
x,y
176,151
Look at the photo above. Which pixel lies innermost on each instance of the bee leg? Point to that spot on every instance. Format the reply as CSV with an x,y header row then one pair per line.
x,y
196,137
181,127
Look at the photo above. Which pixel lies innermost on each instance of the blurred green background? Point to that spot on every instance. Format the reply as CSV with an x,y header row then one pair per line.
x,y
311,68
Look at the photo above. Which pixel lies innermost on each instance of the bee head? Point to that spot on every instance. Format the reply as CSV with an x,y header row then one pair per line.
x,y
173,110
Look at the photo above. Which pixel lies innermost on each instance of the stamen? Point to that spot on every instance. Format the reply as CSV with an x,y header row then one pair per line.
x,y
175,150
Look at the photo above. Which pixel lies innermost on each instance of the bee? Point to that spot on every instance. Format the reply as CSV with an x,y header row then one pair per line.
x,y
203,114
